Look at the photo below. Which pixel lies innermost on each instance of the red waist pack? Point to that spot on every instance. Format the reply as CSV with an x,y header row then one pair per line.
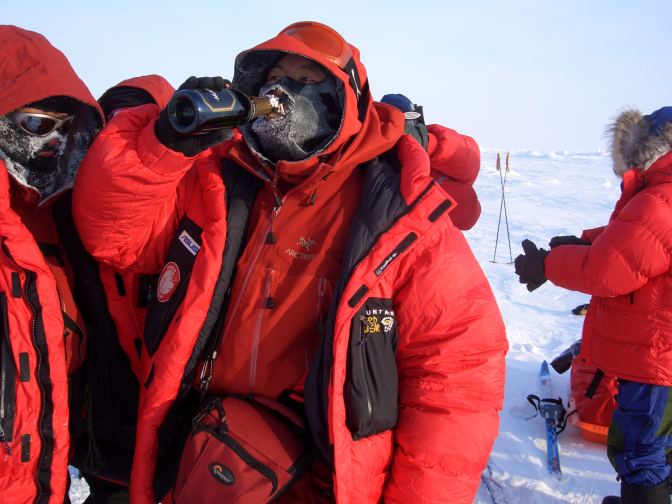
x,y
246,449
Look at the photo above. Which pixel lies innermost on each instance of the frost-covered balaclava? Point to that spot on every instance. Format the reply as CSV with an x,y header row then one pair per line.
x,y
312,119
19,151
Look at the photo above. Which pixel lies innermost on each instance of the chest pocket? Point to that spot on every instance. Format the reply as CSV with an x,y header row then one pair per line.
x,y
172,283
371,385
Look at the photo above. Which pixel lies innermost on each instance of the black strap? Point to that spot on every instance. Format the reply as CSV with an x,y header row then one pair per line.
x,y
71,325
119,282
241,193
361,91
146,288
550,409
211,351
592,388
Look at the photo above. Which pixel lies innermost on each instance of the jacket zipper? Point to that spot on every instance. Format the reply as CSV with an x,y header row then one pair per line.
x,y
321,303
362,356
4,371
261,241
254,354
4,441
6,380
30,282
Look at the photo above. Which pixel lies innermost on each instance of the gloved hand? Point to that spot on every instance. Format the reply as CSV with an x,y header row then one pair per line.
x,y
556,241
190,145
530,265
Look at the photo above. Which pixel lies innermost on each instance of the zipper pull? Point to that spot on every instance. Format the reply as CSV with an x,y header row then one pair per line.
x,y
206,373
4,442
270,236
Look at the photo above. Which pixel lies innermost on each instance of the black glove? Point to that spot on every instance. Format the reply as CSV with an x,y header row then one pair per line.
x,y
190,145
530,265
556,241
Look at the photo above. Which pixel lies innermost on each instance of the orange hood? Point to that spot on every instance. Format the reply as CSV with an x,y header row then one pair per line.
x,y
31,69
367,129
136,91
159,88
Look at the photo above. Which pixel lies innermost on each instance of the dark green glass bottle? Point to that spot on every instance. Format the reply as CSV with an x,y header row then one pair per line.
x,y
194,111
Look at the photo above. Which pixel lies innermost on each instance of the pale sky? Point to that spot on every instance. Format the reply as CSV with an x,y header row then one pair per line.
x,y
538,74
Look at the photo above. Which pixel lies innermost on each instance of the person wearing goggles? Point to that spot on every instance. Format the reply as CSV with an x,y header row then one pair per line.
x,y
40,123
48,118
307,254
33,137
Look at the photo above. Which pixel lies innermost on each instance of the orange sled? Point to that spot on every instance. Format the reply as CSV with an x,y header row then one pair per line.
x,y
590,432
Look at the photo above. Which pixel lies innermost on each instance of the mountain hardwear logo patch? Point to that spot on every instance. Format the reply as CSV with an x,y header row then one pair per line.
x,y
222,474
377,321
168,281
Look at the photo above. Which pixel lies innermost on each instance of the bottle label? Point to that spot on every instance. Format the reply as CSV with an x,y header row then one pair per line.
x,y
224,101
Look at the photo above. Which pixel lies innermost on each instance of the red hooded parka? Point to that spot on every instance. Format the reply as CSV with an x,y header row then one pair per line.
x,y
424,428
628,266
36,349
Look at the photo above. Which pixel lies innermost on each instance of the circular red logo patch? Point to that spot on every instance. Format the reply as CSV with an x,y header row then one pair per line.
x,y
168,280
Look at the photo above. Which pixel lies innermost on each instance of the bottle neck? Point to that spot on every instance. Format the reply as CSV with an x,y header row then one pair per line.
x,y
261,106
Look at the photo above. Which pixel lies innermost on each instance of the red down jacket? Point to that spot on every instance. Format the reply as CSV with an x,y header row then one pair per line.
x,y
126,291
34,293
105,441
430,436
628,266
456,160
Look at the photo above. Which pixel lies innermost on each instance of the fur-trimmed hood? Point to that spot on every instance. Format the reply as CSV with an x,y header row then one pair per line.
x,y
638,141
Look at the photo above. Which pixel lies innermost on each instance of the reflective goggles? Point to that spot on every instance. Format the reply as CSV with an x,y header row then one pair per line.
x,y
39,124
323,39
329,42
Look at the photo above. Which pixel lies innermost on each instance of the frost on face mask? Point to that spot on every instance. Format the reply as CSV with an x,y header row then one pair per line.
x,y
312,117
31,160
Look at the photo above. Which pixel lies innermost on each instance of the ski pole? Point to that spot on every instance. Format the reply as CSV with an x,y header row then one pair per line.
x,y
506,216
498,167
502,205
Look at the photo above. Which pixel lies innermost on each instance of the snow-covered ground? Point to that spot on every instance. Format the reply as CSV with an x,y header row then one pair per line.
x,y
546,195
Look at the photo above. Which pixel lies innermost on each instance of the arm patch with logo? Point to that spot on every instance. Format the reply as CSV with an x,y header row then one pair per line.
x,y
371,384
172,282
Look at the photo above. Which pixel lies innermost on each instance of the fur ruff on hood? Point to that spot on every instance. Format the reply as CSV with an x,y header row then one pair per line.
x,y
634,145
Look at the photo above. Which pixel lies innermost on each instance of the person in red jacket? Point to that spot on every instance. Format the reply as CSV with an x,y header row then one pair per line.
x,y
134,92
307,248
455,159
626,267
104,445
47,120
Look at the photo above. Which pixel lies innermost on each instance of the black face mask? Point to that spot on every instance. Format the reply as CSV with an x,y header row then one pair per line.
x,y
21,149
312,119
